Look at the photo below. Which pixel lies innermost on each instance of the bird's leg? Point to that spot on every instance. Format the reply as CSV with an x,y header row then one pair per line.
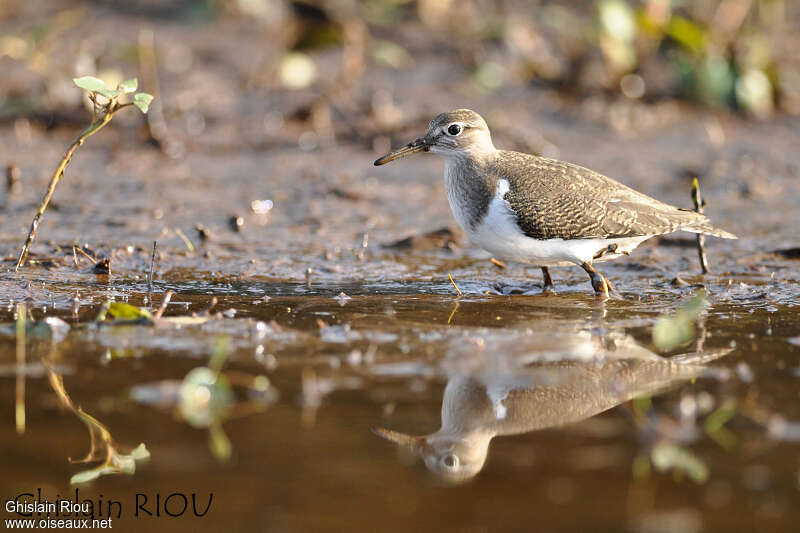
x,y
600,284
547,285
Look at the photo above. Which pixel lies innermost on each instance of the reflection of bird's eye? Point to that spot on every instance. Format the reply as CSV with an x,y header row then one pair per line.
x,y
450,461
454,129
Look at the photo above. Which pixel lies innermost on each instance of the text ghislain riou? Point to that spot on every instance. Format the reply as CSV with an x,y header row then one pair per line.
x,y
173,504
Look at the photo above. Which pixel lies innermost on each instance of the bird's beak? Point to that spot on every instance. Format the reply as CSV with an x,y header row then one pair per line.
x,y
416,445
420,145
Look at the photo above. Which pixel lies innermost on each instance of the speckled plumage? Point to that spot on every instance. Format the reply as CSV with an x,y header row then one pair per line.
x,y
558,200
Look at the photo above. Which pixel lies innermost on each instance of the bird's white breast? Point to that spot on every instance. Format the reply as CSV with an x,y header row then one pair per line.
x,y
499,234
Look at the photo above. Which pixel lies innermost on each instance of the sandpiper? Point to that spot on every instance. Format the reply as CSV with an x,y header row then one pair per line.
x,y
593,375
540,211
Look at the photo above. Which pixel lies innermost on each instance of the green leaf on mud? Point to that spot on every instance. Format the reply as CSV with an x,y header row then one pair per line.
x,y
129,86
125,311
142,101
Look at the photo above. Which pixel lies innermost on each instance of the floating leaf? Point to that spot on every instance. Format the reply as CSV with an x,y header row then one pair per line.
x,y
125,311
142,101
129,86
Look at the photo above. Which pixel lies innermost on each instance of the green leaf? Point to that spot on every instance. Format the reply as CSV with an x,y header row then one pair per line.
x,y
688,34
125,465
218,442
90,83
129,86
142,101
109,93
140,452
669,456
96,85
85,476
672,332
205,397
128,312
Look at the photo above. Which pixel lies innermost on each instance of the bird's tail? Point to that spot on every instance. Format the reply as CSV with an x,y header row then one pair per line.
x,y
706,228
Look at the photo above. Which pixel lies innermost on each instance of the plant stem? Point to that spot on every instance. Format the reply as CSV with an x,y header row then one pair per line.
x,y
701,240
96,126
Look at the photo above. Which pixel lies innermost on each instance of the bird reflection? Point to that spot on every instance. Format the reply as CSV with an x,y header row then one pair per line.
x,y
497,400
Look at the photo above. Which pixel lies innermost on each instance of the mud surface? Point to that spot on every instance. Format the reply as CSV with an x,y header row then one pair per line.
x,y
354,334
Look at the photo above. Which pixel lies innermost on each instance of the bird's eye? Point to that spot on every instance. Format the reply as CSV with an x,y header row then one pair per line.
x,y
450,461
454,129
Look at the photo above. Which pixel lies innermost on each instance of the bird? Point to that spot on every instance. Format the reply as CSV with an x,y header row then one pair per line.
x,y
484,403
544,212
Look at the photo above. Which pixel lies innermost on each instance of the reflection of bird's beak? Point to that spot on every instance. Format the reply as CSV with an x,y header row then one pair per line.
x,y
414,444
419,145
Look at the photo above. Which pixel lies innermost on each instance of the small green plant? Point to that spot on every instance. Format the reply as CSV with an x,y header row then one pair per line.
x,y
671,332
105,104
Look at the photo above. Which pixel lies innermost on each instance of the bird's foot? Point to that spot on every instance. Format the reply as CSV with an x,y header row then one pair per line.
x,y
547,281
600,284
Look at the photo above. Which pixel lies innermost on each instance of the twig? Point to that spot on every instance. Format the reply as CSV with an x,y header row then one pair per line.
x,y
152,267
89,257
185,239
699,204
454,285
453,312
207,310
163,306
93,86
19,411
57,175
497,263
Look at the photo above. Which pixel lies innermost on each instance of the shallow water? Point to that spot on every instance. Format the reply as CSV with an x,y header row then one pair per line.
x,y
558,408
338,368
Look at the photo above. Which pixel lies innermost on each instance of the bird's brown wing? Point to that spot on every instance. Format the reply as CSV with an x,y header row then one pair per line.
x,y
554,199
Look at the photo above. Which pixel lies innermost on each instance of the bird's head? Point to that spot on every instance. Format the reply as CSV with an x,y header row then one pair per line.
x,y
451,458
459,133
